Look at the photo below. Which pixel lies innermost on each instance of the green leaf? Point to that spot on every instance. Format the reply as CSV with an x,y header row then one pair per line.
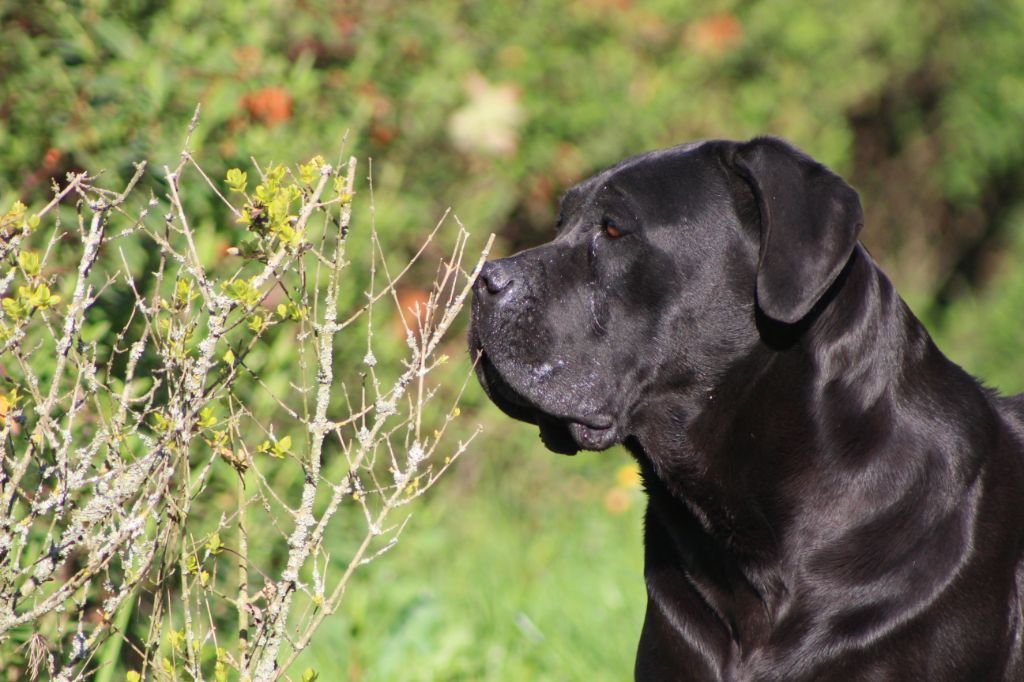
x,y
214,544
42,298
160,423
177,637
29,262
206,418
275,174
183,293
14,309
244,292
307,174
120,38
237,180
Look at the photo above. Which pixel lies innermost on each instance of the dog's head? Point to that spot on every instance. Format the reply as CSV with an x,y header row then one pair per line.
x,y
653,283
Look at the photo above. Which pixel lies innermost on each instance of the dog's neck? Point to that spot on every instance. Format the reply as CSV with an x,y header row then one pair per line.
x,y
729,465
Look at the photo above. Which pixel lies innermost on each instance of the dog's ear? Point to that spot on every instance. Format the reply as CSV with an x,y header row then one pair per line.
x,y
810,219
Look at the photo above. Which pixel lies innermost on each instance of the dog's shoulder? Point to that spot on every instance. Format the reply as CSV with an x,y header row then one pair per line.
x,y
1012,409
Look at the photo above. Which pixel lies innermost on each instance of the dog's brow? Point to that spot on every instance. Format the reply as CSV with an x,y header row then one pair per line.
x,y
566,202
568,199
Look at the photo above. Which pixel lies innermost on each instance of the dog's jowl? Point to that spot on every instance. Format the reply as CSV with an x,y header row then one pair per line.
x,y
829,497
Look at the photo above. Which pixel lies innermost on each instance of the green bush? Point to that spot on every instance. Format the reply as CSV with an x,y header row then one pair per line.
x,y
167,484
495,108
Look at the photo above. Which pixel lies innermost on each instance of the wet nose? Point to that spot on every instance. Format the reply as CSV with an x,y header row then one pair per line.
x,y
495,278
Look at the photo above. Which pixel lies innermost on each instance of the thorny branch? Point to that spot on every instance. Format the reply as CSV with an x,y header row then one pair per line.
x,y
113,441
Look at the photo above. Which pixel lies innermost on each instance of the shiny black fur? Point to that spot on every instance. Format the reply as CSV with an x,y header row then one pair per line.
x,y
830,498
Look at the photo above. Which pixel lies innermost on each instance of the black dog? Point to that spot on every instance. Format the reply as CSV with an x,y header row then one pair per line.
x,y
830,498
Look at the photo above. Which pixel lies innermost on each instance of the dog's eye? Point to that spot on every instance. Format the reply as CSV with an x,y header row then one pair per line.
x,y
611,229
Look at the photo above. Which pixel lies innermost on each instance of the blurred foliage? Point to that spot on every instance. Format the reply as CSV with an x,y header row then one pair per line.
x,y
542,585
495,108
984,330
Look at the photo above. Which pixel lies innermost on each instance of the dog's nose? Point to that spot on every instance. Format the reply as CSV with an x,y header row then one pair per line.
x,y
495,277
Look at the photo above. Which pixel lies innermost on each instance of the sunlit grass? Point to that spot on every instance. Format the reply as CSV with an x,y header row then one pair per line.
x,y
528,567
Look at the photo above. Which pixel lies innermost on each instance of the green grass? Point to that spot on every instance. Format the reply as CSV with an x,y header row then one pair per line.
x,y
517,570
